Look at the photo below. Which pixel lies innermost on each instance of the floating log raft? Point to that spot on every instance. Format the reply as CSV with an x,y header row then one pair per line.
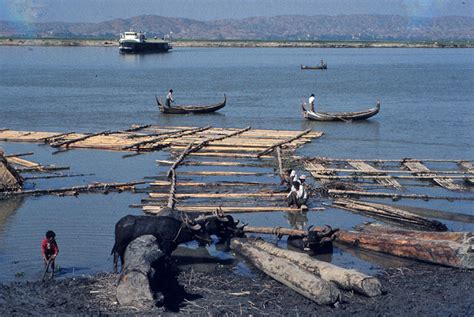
x,y
343,278
393,196
300,280
467,166
445,248
419,168
390,214
155,138
364,167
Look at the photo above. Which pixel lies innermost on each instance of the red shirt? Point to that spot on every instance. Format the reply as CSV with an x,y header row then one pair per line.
x,y
48,248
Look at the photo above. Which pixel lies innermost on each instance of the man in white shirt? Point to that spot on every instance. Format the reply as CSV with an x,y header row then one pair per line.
x,y
169,98
311,102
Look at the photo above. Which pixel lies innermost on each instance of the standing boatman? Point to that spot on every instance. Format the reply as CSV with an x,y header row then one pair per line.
x,y
311,102
169,98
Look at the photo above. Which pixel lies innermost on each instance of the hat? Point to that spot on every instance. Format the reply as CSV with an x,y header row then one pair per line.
x,y
303,177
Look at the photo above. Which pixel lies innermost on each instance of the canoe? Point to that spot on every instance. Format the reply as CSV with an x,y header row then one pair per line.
x,y
323,66
342,116
183,109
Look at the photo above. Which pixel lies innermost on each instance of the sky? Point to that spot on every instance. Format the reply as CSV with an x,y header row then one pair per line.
x,y
104,10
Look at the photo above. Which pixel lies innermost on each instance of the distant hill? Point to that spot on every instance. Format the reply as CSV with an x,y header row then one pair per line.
x,y
289,27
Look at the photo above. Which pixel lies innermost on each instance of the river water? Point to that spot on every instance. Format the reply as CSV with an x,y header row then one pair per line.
x,y
427,112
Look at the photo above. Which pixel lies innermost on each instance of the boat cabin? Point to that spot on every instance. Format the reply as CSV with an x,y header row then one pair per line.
x,y
132,36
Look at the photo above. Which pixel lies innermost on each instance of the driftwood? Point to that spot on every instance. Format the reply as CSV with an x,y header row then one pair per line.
x,y
389,213
343,278
445,248
134,287
298,279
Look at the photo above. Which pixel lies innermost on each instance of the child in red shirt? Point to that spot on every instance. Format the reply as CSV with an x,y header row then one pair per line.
x,y
50,250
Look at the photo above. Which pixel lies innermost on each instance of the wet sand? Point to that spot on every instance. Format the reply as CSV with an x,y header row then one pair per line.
x,y
216,289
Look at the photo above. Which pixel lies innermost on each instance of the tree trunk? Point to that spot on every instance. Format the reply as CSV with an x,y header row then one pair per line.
x,y
134,287
305,283
344,278
445,248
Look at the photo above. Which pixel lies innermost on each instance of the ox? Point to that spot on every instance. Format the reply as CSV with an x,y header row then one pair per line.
x,y
168,231
318,241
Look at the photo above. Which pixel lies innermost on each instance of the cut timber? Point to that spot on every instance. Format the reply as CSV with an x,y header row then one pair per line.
x,y
24,163
10,179
224,173
417,166
226,184
279,144
389,213
344,193
417,245
210,209
134,286
207,163
470,169
68,142
219,195
343,278
364,167
221,154
300,280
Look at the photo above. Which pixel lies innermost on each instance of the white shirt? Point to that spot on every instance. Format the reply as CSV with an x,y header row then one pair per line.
x,y
311,100
170,96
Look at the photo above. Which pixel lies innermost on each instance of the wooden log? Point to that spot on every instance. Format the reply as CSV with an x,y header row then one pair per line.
x,y
209,163
327,159
172,194
69,142
440,214
281,143
43,168
397,196
220,195
386,177
419,168
136,128
225,173
223,184
24,163
19,154
275,231
390,213
175,134
238,155
386,171
134,287
343,278
75,189
151,209
437,251
179,159
289,274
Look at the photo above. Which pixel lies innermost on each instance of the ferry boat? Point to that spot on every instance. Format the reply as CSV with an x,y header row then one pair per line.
x,y
136,42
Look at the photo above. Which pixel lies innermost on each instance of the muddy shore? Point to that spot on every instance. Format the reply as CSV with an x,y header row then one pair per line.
x,y
239,44
219,289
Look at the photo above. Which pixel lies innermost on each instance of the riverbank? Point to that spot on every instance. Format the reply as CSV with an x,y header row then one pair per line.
x,y
427,291
240,44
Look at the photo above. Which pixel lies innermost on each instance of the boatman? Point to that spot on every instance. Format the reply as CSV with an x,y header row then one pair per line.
x,y
169,98
311,102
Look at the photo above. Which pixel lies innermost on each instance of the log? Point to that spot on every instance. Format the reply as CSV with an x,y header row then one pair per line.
x,y
389,213
419,168
279,144
339,193
364,167
229,184
69,142
220,195
154,209
327,159
303,282
134,286
416,246
343,278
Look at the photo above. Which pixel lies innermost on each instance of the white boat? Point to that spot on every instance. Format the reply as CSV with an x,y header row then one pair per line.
x,y
136,42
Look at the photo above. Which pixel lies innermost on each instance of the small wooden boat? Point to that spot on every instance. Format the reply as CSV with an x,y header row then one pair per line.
x,y
321,66
342,116
183,109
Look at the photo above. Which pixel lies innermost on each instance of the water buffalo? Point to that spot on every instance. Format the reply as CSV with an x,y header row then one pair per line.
x,y
318,241
169,232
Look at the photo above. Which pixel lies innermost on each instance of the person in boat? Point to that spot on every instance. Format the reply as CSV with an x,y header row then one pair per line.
x,y
298,196
50,250
311,101
169,98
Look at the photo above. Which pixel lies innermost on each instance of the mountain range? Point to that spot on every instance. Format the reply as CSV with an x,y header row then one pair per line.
x,y
288,27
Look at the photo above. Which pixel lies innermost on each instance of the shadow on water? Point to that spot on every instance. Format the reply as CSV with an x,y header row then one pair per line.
x,y
7,208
